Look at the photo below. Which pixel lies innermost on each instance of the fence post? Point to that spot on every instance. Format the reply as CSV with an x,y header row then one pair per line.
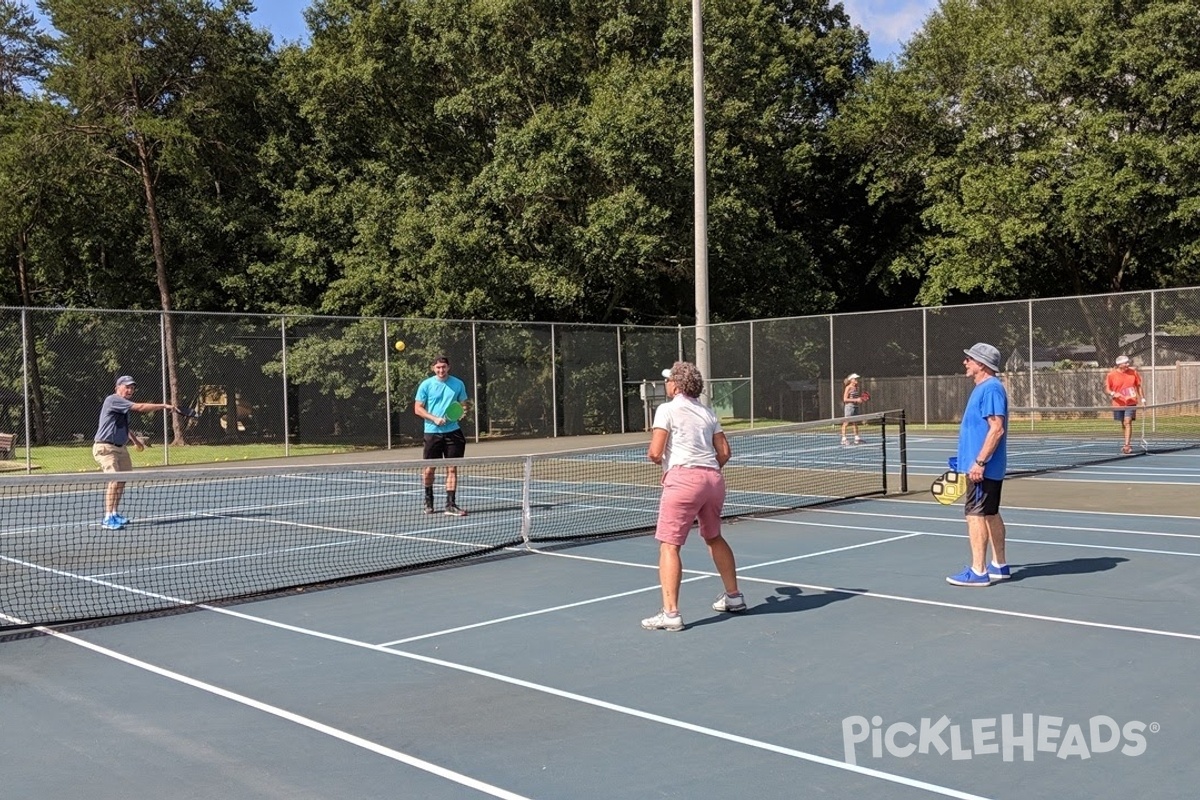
x,y
621,380
166,389
1029,323
387,384
833,396
25,384
925,367
553,381
287,433
751,373
1153,346
475,376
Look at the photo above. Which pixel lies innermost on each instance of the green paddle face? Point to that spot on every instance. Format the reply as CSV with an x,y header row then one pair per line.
x,y
454,412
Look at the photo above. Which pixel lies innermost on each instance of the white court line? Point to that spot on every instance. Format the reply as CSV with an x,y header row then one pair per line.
x,y
1083,545
937,603
1146,550
1010,524
307,722
620,709
1134,484
698,575
542,688
407,537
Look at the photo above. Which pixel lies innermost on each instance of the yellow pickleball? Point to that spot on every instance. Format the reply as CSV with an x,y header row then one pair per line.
x,y
400,346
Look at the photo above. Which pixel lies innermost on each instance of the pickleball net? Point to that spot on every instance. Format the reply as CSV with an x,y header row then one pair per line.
x,y
206,535
1047,439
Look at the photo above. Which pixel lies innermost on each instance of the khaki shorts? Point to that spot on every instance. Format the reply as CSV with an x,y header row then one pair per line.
x,y
112,458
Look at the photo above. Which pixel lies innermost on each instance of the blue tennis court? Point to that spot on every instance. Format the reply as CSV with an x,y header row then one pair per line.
x,y
857,671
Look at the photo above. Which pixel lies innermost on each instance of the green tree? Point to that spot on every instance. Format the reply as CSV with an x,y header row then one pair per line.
x,y
147,83
1038,146
531,159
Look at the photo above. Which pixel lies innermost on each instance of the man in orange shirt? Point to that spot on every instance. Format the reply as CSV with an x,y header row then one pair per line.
x,y
1124,386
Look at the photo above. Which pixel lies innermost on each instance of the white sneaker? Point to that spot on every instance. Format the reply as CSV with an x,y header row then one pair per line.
x,y
845,442
858,440
732,603
662,622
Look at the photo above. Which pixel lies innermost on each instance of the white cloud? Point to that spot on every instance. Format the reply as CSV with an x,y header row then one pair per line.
x,y
889,23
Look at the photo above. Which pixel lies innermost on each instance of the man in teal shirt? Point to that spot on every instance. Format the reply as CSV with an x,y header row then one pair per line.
x,y
443,437
983,455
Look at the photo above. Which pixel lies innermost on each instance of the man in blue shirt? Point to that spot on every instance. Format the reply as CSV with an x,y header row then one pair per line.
x,y
443,437
109,444
982,444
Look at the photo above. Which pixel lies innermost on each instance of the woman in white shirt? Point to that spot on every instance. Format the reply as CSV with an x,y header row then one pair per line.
x,y
688,442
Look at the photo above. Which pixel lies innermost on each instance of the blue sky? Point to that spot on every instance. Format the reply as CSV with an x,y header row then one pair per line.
x,y
889,22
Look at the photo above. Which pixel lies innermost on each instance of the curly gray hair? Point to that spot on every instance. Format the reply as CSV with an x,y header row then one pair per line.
x,y
687,377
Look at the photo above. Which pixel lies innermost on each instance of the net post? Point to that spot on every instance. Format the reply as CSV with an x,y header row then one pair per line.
x,y
883,446
526,509
903,453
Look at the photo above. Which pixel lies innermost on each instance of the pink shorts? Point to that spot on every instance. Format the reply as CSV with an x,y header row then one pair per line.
x,y
690,494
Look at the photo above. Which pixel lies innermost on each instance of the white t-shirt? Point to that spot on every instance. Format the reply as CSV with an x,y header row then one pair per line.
x,y
691,426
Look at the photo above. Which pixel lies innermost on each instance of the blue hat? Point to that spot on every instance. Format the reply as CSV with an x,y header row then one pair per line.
x,y
126,380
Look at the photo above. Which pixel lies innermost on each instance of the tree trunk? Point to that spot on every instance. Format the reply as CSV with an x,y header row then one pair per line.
x,y
36,397
164,287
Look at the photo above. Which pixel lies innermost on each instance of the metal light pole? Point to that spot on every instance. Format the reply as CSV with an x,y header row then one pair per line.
x,y
700,171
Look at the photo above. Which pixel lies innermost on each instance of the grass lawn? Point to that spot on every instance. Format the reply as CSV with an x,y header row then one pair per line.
x,y
77,458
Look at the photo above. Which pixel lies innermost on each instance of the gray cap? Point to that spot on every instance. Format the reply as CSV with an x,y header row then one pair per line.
x,y
985,354
126,380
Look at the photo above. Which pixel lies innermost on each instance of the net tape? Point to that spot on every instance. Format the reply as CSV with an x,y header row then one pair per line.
x,y
1046,439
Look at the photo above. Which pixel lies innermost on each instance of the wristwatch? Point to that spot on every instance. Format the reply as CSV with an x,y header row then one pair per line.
x,y
981,463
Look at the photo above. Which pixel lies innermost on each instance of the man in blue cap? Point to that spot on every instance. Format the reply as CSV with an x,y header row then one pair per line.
x,y
109,445
982,444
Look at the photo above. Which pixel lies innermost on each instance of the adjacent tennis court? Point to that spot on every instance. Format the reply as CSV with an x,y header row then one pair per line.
x,y
522,671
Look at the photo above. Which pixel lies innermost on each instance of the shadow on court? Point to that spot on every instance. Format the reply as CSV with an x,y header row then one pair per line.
x,y
786,600
1074,566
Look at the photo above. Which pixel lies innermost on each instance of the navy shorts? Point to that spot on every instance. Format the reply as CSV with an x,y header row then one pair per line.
x,y
983,498
446,445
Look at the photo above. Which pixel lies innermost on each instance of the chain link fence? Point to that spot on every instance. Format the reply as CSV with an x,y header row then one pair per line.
x,y
1056,354
279,385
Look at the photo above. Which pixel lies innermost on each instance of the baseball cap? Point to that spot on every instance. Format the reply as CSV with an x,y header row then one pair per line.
x,y
853,376
126,380
1122,360
666,373
985,354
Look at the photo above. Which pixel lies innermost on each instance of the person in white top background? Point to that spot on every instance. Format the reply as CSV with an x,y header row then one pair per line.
x,y
852,400
688,442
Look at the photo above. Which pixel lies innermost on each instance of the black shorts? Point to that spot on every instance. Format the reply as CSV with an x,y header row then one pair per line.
x,y
446,445
983,499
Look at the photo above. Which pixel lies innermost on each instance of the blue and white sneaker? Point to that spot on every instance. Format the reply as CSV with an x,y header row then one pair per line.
x,y
969,577
121,519
998,573
113,522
